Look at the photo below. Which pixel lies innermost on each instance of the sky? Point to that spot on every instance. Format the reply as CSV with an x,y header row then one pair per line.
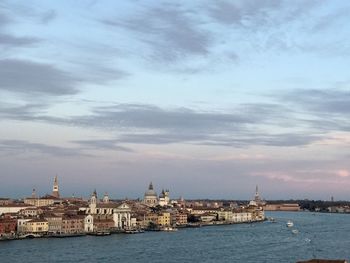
x,y
205,98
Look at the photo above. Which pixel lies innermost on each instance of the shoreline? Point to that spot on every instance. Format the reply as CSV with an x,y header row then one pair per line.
x,y
83,234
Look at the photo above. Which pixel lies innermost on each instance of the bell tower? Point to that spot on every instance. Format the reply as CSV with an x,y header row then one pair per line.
x,y
55,191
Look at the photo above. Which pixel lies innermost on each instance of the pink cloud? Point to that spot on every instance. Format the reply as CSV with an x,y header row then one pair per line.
x,y
343,173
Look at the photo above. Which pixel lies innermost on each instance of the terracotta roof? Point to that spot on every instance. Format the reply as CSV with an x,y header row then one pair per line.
x,y
107,205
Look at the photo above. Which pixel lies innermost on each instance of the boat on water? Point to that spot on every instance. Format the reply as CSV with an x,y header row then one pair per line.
x,y
134,231
100,233
271,219
168,229
295,231
289,223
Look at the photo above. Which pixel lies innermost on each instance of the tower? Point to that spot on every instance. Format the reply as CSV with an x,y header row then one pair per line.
x,y
257,197
106,198
55,191
34,193
93,202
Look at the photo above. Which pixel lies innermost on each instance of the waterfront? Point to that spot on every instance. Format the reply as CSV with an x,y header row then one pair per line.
x,y
320,235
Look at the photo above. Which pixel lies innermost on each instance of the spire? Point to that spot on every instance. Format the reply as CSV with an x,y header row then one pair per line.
x,y
257,196
55,191
150,187
34,193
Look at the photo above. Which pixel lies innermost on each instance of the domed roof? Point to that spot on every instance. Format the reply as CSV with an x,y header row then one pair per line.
x,y
150,192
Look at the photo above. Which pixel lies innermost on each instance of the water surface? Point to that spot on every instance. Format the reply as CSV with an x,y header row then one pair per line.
x,y
320,235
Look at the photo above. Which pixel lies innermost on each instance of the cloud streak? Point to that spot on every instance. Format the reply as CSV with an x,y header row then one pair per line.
x,y
31,78
22,147
168,30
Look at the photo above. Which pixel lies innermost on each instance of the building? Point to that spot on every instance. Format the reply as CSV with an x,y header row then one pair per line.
x,y
207,217
72,224
103,224
257,200
149,219
46,200
37,226
55,190
181,219
164,199
8,226
5,201
164,219
13,207
55,223
202,210
22,225
31,212
120,213
89,223
150,198
282,207
240,217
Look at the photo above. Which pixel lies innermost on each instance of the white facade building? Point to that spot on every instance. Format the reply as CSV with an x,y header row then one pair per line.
x,y
120,213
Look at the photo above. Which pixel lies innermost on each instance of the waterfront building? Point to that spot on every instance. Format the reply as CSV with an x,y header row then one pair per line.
x,y
22,225
37,226
103,224
120,213
150,198
208,217
89,223
55,190
282,207
54,222
225,215
8,226
240,217
72,224
181,219
164,219
147,219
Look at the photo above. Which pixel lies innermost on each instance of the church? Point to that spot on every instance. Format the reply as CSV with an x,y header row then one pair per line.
x,y
151,198
120,213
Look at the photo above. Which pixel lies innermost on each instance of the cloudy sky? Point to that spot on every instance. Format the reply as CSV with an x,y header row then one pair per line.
x,y
206,98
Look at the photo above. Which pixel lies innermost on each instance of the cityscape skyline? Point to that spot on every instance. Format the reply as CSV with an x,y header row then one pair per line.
x,y
56,193
206,98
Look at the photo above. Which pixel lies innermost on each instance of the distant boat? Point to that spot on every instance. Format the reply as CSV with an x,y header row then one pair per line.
x,y
134,231
168,229
295,231
100,233
272,220
290,223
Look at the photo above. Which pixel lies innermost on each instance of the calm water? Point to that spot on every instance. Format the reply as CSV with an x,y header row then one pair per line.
x,y
320,235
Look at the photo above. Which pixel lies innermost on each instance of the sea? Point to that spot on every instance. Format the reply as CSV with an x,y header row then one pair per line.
x,y
319,235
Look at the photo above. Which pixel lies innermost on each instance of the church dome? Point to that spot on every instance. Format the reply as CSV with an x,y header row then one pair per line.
x,y
150,192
